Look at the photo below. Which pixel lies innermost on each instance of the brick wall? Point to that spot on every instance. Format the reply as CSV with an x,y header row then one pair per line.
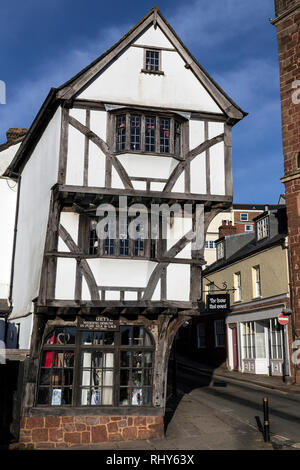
x,y
282,5
60,432
289,59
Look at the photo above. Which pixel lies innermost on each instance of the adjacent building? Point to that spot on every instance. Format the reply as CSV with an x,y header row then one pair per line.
x,y
142,126
287,22
253,271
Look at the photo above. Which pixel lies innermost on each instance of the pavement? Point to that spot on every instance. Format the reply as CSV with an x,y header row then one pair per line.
x,y
193,423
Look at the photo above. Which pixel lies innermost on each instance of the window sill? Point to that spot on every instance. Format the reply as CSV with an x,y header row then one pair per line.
x,y
154,72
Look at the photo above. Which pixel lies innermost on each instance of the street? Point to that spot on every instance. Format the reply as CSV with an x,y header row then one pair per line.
x,y
239,407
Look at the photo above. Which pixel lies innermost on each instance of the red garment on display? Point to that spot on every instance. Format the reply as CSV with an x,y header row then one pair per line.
x,y
49,355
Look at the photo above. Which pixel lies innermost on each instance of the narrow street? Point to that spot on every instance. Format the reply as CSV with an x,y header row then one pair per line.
x,y
235,408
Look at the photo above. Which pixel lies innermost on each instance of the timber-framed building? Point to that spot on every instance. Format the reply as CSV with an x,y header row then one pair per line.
x,y
143,125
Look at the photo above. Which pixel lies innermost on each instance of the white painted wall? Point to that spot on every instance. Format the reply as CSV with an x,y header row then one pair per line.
x,y
70,221
65,279
178,282
123,81
39,175
148,166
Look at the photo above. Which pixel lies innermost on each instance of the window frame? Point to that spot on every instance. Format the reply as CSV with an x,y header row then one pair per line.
x,y
263,228
219,344
238,286
244,219
116,348
159,71
175,121
201,344
256,279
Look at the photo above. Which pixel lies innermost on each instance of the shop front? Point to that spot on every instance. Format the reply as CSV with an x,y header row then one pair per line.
x,y
261,343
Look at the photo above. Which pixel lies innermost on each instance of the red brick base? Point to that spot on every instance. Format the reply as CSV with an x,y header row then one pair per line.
x,y
58,432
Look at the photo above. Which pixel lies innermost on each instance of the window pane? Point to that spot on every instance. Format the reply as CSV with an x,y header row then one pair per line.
x,y
121,133
137,359
137,396
150,134
67,396
147,359
45,377
98,337
137,377
86,337
125,358
147,377
69,359
135,132
126,335
43,396
164,128
138,335
124,377
125,396
147,393
107,396
177,131
109,339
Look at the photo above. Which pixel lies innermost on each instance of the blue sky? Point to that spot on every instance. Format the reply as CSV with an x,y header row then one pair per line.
x,y
44,43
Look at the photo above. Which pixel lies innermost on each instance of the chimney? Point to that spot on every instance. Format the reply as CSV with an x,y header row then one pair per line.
x,y
14,133
225,230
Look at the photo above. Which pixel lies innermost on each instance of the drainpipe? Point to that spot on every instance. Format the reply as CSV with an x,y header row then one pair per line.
x,y
286,246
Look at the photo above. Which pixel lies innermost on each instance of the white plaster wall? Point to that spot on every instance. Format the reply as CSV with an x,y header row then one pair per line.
x,y
121,272
198,174
217,169
7,155
149,166
70,221
154,37
124,82
98,123
196,133
75,157
181,226
178,282
39,175
96,168
179,185
8,200
65,279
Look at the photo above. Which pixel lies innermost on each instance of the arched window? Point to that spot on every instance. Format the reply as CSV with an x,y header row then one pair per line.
x,y
99,368
57,368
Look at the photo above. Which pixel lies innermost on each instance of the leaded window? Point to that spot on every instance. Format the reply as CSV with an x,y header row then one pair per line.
x,y
121,132
135,132
164,132
144,133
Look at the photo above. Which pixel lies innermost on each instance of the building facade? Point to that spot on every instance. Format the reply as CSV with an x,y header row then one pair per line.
x,y
103,277
253,269
287,22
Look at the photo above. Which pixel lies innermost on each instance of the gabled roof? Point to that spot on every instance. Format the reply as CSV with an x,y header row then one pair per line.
x,y
72,87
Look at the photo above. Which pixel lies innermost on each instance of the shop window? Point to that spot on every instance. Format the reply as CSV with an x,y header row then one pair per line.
x,y
57,368
113,368
248,337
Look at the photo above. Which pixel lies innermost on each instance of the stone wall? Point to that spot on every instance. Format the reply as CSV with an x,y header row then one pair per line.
x,y
60,432
283,5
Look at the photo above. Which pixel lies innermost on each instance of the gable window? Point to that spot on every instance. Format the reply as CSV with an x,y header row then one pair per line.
x,y
152,60
244,217
144,133
262,228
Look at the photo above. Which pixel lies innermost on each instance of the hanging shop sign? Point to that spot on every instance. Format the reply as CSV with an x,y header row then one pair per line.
x,y
98,323
218,303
